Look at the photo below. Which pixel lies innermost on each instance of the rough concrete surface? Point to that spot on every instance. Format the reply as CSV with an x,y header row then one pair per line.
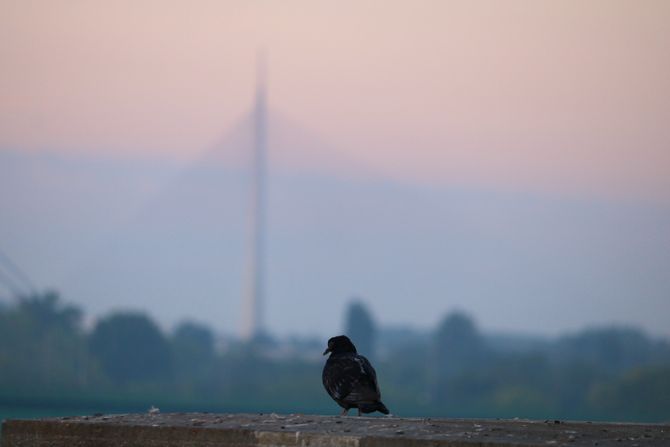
x,y
242,430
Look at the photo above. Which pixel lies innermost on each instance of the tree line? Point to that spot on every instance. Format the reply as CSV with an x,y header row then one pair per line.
x,y
127,363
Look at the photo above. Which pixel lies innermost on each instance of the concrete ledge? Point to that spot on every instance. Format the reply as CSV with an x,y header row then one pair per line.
x,y
250,430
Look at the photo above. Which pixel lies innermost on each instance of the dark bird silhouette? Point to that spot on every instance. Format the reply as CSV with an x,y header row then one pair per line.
x,y
350,379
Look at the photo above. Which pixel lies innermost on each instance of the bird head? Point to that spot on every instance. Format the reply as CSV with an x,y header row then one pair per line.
x,y
340,344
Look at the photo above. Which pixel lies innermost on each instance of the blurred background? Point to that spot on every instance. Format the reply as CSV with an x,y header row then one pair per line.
x,y
195,196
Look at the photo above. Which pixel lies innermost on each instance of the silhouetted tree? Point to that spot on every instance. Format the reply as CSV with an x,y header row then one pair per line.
x,y
41,343
47,311
360,328
130,348
458,342
459,348
613,349
193,353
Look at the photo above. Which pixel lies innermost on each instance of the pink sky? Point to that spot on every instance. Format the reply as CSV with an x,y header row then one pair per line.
x,y
567,97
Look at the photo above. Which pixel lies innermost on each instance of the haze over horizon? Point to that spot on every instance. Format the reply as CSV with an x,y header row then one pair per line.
x,y
507,159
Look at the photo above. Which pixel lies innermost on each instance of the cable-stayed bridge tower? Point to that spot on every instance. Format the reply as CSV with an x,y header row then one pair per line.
x,y
252,323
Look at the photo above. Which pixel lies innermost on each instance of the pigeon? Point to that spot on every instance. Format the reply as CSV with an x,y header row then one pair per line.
x,y
350,379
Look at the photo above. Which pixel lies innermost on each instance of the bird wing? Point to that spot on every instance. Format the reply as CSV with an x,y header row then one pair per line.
x,y
350,378
368,388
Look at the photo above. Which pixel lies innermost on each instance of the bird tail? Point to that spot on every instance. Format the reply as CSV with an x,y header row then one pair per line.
x,y
382,408
372,407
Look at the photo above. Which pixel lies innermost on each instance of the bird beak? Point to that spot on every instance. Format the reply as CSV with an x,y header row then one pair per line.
x,y
326,351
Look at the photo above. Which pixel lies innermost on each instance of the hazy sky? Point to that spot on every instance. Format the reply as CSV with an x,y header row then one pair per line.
x,y
544,105
567,96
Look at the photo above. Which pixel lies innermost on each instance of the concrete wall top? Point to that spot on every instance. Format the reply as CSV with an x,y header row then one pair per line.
x,y
268,430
